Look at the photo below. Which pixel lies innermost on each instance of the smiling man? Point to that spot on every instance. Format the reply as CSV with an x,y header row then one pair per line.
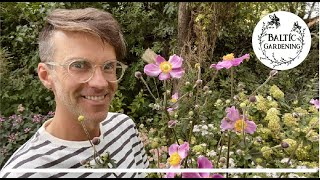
x,y
81,52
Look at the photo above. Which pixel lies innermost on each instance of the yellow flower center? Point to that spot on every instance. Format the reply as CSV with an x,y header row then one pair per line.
x,y
228,57
238,125
173,100
174,159
166,67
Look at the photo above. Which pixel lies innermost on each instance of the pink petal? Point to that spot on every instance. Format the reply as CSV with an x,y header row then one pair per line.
x,y
204,162
177,73
225,124
164,76
170,175
176,61
183,150
191,175
173,148
251,127
236,62
175,96
159,60
217,176
216,66
315,102
225,64
152,70
232,114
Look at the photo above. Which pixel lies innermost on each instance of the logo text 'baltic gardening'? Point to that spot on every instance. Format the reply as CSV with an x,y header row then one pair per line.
x,y
281,40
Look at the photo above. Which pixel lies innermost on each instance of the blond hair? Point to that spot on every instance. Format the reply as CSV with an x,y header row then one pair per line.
x,y
90,20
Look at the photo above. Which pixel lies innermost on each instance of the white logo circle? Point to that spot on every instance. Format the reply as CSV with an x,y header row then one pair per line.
x,y
281,40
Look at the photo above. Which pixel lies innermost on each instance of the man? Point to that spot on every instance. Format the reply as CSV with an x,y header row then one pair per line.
x,y
80,52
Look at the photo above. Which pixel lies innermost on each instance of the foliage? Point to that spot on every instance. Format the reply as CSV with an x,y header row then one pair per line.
x,y
17,129
201,110
154,25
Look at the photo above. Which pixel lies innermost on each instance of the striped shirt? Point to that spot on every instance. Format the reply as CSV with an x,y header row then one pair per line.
x,y
119,137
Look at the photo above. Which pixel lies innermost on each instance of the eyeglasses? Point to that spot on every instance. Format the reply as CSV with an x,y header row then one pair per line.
x,y
83,70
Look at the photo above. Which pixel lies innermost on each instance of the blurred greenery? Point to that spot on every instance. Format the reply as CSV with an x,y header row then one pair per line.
x,y
150,25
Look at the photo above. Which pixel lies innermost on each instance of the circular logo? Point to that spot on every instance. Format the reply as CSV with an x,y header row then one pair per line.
x,y
281,40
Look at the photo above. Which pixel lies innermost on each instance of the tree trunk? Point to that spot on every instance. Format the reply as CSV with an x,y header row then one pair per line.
x,y
183,21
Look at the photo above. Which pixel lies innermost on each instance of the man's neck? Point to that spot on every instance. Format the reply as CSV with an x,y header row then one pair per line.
x,y
70,129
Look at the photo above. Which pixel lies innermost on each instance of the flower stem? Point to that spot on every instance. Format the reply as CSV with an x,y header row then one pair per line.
x,y
155,84
165,105
244,139
265,82
221,140
95,153
198,112
232,79
158,153
228,154
145,83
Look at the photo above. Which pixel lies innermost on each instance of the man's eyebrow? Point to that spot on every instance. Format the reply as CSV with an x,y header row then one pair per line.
x,y
77,58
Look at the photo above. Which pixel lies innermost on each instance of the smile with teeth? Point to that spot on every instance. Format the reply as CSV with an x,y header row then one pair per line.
x,y
94,98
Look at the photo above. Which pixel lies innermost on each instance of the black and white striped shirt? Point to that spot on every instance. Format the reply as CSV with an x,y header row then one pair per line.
x,y
119,137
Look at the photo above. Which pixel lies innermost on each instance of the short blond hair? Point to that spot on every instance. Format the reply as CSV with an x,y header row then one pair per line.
x,y
90,20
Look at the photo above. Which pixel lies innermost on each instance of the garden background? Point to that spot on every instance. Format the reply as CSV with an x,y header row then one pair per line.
x,y
201,33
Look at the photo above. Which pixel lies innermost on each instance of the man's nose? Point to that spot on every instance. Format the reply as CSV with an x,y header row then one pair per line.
x,y
98,80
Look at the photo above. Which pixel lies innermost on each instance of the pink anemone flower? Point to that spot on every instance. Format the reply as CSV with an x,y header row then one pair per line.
x,y
203,163
177,154
165,69
229,61
174,99
315,102
235,121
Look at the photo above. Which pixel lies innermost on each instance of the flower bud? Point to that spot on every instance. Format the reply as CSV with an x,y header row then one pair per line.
x,y
83,162
191,113
243,105
199,82
228,101
154,144
284,144
252,99
259,139
273,73
172,123
96,141
205,88
196,106
241,85
295,115
168,92
138,74
259,160
197,65
81,118
222,160
187,83
210,92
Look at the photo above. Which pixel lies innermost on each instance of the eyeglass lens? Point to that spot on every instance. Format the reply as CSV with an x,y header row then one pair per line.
x,y
84,70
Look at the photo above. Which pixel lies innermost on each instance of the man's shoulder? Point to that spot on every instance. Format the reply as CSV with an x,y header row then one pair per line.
x,y
115,118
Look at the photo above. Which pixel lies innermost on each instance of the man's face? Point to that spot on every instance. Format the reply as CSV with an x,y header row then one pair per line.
x,y
90,99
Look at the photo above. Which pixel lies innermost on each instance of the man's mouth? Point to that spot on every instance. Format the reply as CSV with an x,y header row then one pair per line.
x,y
95,98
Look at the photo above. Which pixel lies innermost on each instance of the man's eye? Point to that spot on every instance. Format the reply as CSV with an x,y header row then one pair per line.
x,y
80,65
109,66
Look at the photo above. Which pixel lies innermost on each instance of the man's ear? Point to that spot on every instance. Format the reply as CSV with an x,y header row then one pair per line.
x,y
45,76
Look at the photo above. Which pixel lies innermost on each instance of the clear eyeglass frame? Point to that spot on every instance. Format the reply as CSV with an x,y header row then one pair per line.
x,y
67,65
